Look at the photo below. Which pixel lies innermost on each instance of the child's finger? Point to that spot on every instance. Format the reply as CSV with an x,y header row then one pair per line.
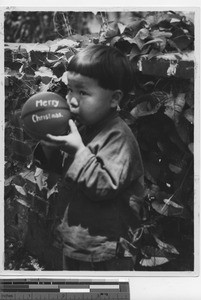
x,y
57,139
72,125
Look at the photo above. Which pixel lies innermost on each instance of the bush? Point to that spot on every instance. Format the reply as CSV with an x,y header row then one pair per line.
x,y
159,111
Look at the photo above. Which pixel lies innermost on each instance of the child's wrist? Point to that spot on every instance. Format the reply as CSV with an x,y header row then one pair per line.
x,y
80,150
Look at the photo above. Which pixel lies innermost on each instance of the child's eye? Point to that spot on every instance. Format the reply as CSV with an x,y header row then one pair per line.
x,y
83,93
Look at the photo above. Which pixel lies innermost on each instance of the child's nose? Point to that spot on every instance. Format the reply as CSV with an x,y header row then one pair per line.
x,y
74,102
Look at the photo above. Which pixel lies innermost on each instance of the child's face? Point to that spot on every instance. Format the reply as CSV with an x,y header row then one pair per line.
x,y
89,103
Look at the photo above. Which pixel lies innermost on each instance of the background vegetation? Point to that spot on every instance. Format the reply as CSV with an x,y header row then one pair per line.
x,y
160,111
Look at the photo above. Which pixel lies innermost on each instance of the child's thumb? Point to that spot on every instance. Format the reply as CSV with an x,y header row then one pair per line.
x,y
73,127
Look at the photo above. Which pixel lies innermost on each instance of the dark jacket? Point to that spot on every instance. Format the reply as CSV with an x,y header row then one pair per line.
x,y
101,192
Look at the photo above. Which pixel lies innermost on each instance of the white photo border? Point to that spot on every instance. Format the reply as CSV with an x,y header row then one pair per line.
x,y
148,278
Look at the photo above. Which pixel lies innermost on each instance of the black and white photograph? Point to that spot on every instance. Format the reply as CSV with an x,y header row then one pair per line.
x,y
99,140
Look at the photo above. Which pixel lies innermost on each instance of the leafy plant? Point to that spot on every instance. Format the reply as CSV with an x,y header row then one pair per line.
x,y
159,111
171,32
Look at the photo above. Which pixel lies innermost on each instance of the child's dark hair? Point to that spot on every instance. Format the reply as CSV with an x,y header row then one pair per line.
x,y
106,64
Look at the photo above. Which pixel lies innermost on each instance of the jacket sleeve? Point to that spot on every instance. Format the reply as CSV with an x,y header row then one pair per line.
x,y
104,172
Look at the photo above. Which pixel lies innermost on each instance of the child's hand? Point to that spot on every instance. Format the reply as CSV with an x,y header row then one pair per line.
x,y
71,143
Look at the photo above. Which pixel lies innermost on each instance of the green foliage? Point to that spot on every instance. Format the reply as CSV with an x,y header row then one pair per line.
x,y
41,26
159,111
168,32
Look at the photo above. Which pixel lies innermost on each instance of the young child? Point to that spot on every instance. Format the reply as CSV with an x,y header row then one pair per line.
x,y
102,187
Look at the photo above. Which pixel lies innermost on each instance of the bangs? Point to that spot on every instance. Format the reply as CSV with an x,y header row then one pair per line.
x,y
86,66
105,64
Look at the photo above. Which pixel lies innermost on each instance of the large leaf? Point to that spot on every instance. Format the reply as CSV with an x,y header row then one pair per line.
x,y
153,257
50,62
174,106
175,168
135,51
154,41
37,57
114,40
23,202
127,246
152,191
152,251
168,207
110,30
64,78
191,147
189,115
121,27
53,190
153,53
140,38
172,203
53,57
21,190
64,43
45,73
164,246
132,29
44,87
153,261
39,178
14,65
160,34
183,41
184,130
58,68
28,175
135,235
173,45
8,181
149,104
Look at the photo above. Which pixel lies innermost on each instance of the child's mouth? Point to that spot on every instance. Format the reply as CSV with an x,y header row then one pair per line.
x,y
75,118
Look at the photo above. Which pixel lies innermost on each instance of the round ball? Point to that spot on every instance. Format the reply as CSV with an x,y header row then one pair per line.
x,y
44,113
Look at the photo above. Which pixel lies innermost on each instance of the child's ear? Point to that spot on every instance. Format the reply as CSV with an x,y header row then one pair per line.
x,y
116,98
